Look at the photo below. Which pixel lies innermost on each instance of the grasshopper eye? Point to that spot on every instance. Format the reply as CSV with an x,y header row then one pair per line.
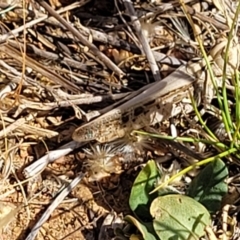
x,y
83,134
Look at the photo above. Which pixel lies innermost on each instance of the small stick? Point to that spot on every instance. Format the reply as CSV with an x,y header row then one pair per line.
x,y
14,32
83,40
147,50
15,125
60,197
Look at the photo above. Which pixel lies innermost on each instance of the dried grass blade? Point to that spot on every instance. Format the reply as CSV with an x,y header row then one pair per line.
x,y
53,206
39,68
92,47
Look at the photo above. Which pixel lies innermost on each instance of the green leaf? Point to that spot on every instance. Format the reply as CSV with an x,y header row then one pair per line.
x,y
209,186
140,199
145,229
179,217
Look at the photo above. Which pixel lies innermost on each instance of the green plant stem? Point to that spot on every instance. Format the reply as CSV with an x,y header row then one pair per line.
x,y
201,120
187,169
237,111
183,139
209,68
226,57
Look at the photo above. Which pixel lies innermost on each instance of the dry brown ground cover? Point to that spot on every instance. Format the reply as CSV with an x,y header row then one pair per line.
x,y
54,79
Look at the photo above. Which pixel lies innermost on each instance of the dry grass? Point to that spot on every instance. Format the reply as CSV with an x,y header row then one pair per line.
x,y
56,75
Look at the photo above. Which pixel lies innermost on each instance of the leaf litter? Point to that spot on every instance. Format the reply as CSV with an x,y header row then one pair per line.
x,y
64,63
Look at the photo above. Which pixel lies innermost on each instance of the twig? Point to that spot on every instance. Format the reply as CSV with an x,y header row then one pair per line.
x,y
66,61
15,125
83,40
18,77
53,206
147,50
52,105
111,97
45,71
116,42
130,32
14,32
38,132
73,101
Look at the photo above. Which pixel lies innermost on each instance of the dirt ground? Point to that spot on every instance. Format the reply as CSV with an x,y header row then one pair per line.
x,y
81,214
52,83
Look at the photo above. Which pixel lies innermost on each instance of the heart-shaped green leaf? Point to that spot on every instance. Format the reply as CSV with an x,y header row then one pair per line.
x,y
140,199
209,186
179,217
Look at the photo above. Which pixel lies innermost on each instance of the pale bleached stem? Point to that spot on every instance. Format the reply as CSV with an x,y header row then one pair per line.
x,y
60,197
5,131
146,48
39,165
